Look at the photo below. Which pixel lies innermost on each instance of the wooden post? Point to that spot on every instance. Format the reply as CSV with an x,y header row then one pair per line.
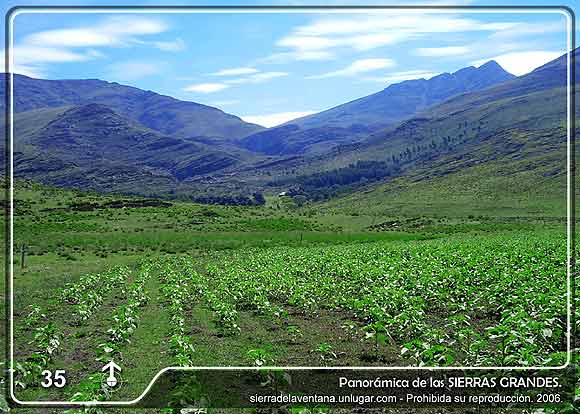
x,y
23,249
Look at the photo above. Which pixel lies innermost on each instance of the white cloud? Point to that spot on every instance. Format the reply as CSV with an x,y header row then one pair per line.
x,y
372,41
265,76
31,60
133,70
403,76
114,31
93,53
36,51
359,42
520,63
328,35
357,67
442,51
235,71
176,45
133,25
34,54
399,22
206,87
30,71
27,70
82,37
257,78
307,42
268,75
271,120
300,55
527,29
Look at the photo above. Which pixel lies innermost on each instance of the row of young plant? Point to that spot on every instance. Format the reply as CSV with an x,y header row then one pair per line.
x,y
180,286
46,343
125,318
483,300
88,293
85,296
226,299
123,322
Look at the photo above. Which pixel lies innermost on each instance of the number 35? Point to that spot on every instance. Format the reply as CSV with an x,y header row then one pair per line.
x,y
57,379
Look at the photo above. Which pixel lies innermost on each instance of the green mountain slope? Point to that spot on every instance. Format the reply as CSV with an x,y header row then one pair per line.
x,y
514,129
92,147
503,141
528,179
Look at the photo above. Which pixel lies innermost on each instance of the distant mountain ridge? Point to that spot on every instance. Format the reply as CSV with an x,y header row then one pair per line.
x,y
516,128
167,115
349,122
96,146
401,100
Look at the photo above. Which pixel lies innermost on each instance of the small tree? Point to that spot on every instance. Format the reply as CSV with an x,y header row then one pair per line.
x,y
299,200
259,198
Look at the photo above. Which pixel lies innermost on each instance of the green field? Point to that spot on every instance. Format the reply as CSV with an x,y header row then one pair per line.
x,y
152,283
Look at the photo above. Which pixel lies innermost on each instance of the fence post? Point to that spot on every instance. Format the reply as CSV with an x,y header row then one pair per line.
x,y
23,249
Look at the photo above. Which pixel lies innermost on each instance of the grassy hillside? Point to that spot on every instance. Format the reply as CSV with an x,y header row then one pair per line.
x,y
91,147
517,125
275,284
491,189
516,173
73,148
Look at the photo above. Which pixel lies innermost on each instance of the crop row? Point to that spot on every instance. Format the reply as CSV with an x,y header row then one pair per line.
x,y
125,318
497,300
85,295
123,323
88,293
180,284
226,300
46,343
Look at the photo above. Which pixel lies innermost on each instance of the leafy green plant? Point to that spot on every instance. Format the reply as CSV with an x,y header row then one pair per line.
x,y
294,332
377,332
260,357
34,315
326,352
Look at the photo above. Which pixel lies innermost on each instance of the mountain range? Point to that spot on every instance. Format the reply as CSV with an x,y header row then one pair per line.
x,y
351,121
103,136
161,113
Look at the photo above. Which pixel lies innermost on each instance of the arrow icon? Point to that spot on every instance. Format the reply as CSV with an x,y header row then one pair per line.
x,y
112,367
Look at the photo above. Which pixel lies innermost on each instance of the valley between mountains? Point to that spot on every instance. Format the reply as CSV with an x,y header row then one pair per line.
x,y
423,225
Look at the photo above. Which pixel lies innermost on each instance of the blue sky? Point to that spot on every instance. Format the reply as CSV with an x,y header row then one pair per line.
x,y
269,68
